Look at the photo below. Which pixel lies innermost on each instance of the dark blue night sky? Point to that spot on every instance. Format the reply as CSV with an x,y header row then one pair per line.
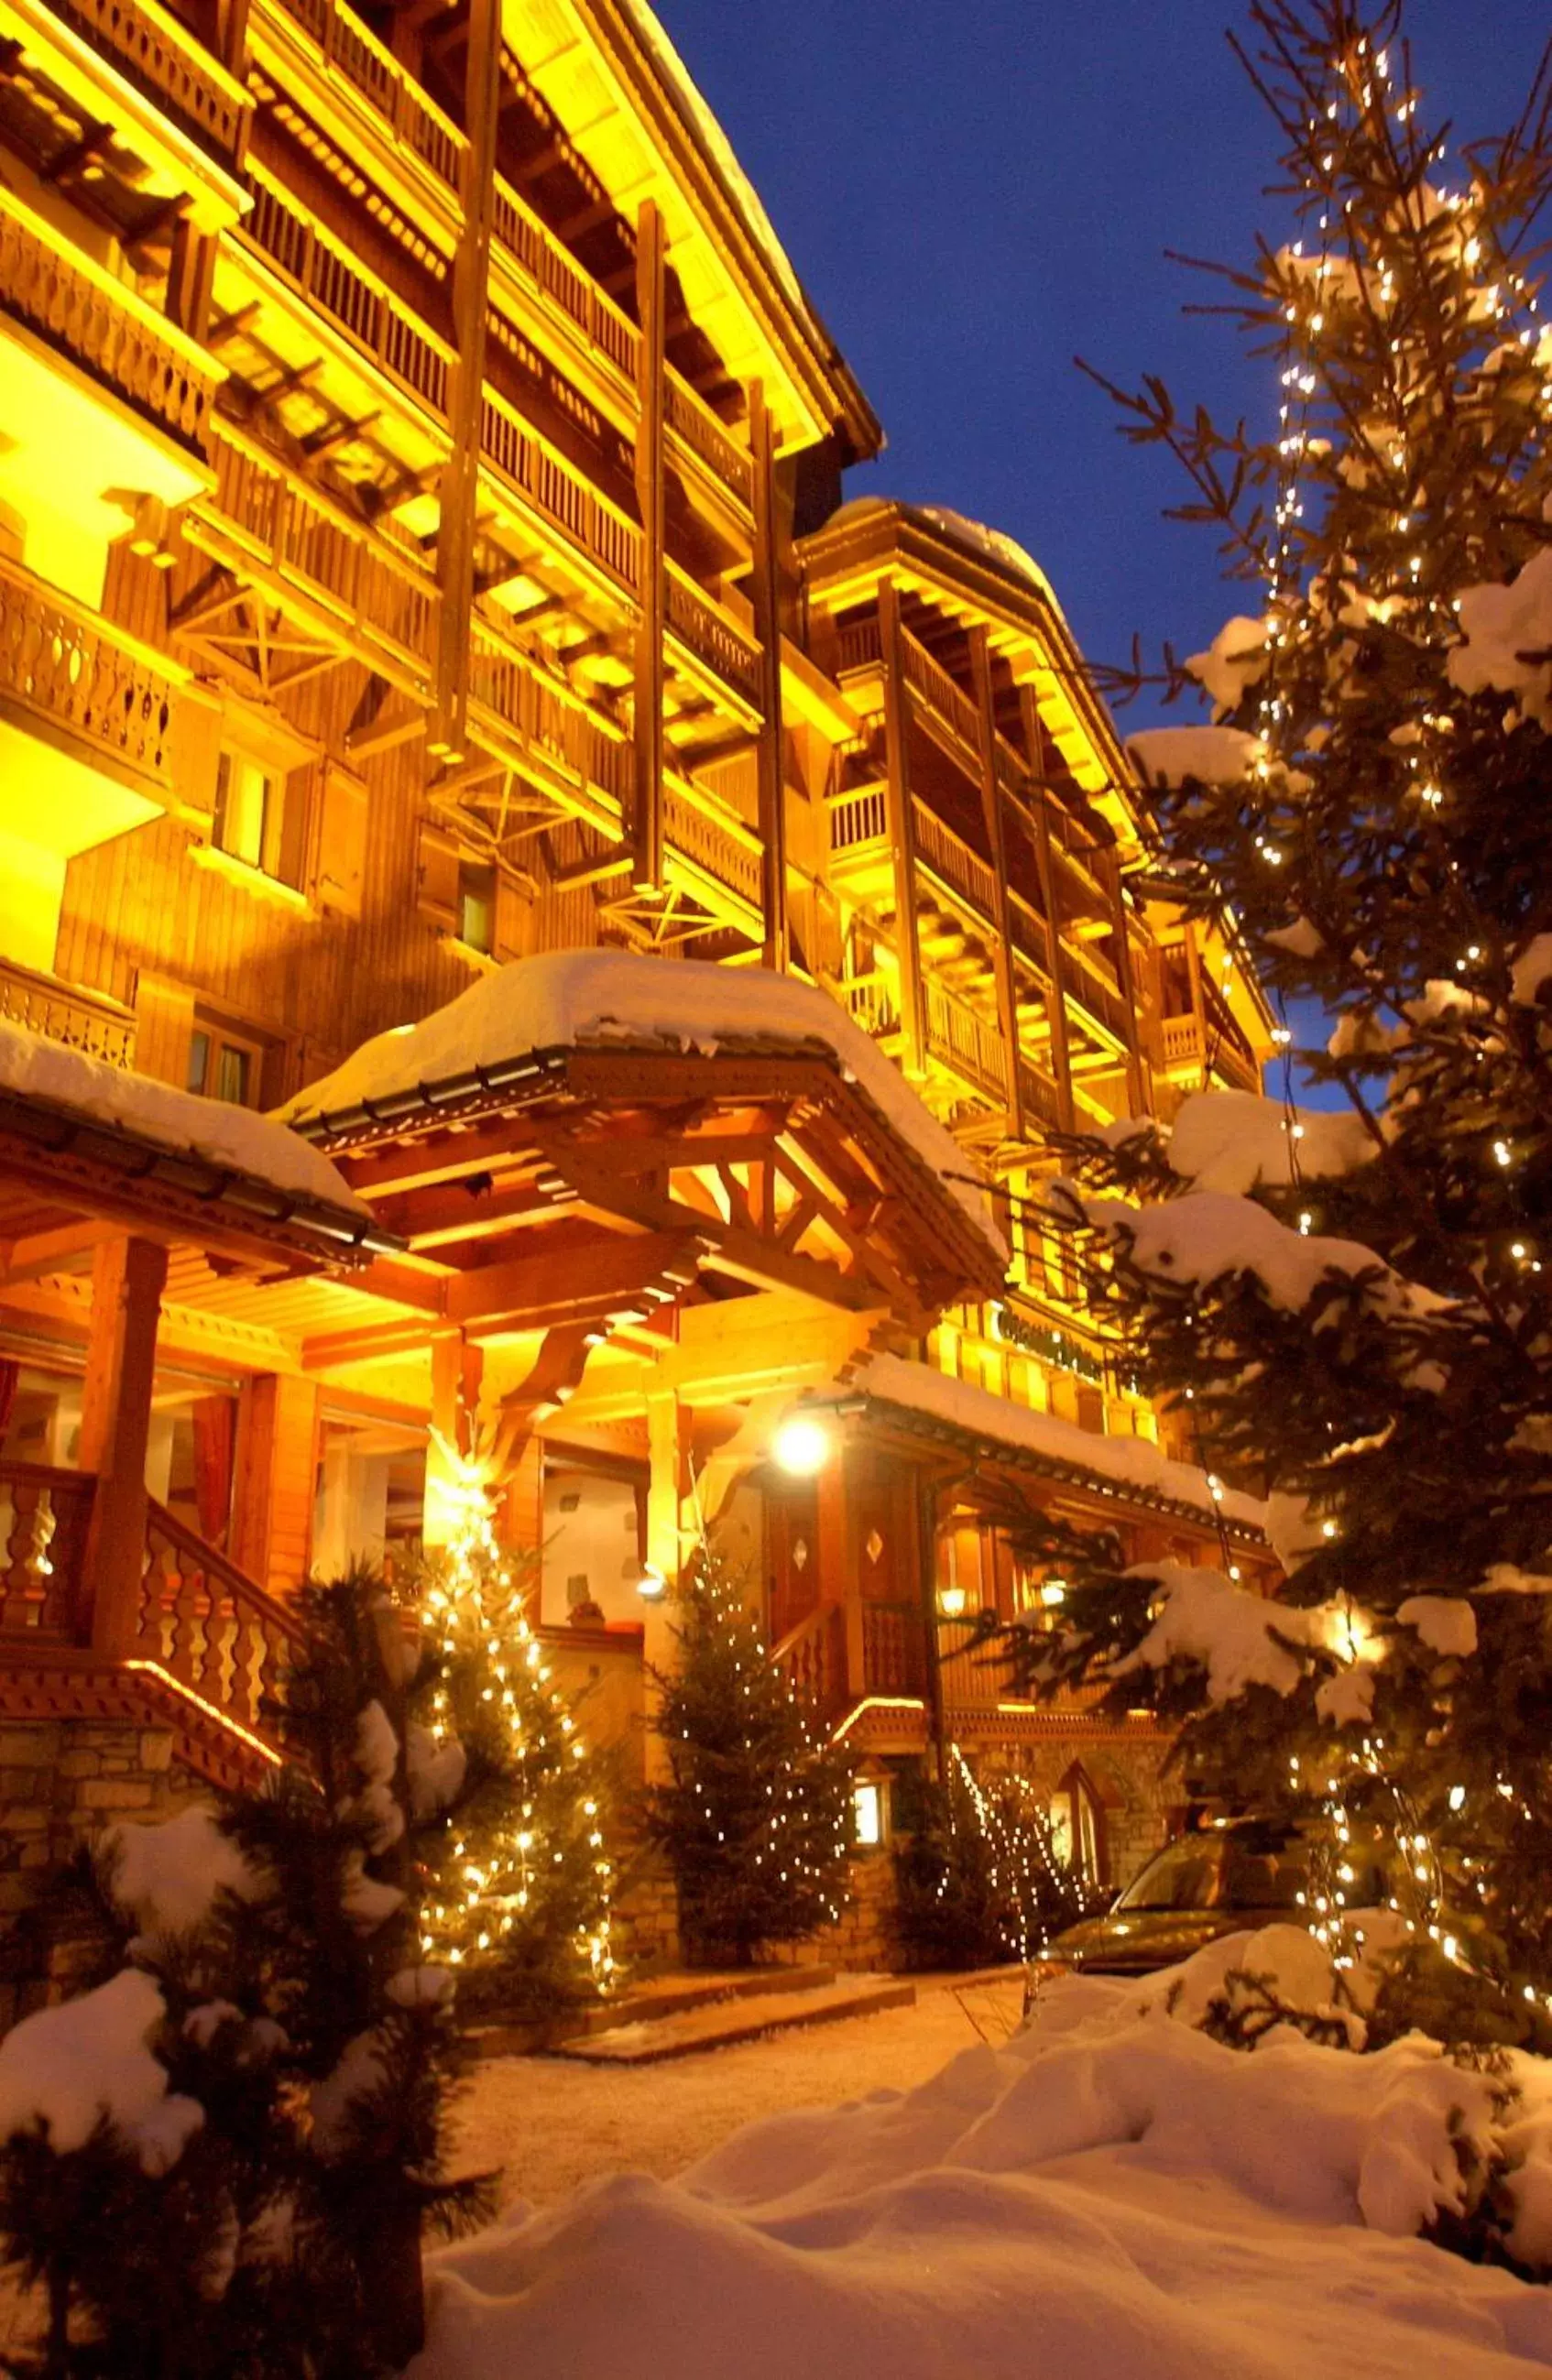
x,y
975,190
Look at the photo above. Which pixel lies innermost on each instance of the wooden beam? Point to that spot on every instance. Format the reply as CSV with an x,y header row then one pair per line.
x,y
364,743
901,831
534,1292
991,811
647,873
128,1279
372,1343
42,1253
457,527
1062,1055
768,630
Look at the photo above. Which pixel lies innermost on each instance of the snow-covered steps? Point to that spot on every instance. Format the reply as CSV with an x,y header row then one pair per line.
x,y
769,2002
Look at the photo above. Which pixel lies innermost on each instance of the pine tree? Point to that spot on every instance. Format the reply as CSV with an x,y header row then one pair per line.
x,y
977,1875
755,1819
1355,1310
272,2061
517,1874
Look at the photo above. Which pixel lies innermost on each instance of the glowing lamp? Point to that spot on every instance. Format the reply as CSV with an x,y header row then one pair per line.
x,y
1053,1592
951,1601
651,1585
802,1446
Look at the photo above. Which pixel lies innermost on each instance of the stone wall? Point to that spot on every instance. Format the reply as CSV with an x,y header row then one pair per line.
x,y
61,1782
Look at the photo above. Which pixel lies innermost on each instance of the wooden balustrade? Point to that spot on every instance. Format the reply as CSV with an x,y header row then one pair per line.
x,y
348,49
714,637
162,58
959,1038
953,863
106,327
200,1619
894,1648
869,1001
812,1658
64,1012
76,671
938,689
378,325
1038,1096
44,1515
508,686
861,647
734,861
858,818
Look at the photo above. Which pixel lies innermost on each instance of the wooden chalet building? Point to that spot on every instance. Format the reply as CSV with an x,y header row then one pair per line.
x,y
431,628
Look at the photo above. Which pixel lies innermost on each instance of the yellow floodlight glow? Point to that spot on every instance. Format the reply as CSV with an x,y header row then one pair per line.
x,y
802,1445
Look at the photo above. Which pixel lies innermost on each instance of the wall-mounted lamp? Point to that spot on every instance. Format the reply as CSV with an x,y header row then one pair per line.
x,y
951,1601
802,1445
1052,1592
651,1585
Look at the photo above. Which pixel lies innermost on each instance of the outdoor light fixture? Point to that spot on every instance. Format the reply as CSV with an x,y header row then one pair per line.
x,y
802,1445
1052,1592
951,1601
651,1585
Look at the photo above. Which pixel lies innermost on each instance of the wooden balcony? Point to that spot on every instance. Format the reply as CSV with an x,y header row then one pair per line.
x,y
373,324
64,1012
722,850
65,298
1213,1043
167,64
43,1517
64,666
349,56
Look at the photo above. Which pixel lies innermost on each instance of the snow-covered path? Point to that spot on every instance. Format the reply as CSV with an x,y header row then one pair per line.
x,y
551,2125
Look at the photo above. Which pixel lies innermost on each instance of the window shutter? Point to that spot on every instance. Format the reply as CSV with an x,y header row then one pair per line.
x,y
513,939
342,843
164,1021
438,896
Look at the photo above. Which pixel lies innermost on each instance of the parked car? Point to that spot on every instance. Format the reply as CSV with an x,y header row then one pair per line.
x,y
1228,1876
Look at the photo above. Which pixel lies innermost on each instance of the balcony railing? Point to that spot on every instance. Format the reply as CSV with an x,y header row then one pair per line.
x,y
64,1012
207,1625
374,321
733,859
955,864
894,1648
513,691
960,1039
165,61
350,50
714,637
859,818
812,1658
103,325
42,1536
75,671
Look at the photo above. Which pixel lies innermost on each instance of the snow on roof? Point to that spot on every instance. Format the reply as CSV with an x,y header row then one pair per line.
x,y
577,999
714,142
989,544
211,1132
1132,1463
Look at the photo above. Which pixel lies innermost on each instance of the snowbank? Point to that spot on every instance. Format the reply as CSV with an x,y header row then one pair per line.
x,y
612,1000
1131,1461
212,1132
1233,1141
1109,2196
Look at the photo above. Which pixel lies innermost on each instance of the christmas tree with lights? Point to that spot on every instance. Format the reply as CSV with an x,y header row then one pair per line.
x,y
510,1831
978,1879
1355,1307
755,1819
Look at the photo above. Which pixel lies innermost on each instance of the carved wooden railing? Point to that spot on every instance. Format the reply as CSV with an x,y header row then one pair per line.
x,y
76,304
163,59
961,1039
715,638
380,325
44,1514
350,51
953,863
812,1658
64,1012
733,859
894,1648
77,671
205,1624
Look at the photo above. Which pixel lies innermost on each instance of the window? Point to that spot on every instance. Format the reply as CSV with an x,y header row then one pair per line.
x,y
247,810
477,906
868,1816
1077,1827
223,1066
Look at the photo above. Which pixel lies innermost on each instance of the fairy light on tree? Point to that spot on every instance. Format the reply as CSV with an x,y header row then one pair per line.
x,y
519,1897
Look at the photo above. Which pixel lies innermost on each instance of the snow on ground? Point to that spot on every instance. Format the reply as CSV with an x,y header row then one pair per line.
x,y
1109,2196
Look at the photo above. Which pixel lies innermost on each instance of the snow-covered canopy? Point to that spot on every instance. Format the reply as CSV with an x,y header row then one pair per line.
x,y
614,999
211,1133
1132,1463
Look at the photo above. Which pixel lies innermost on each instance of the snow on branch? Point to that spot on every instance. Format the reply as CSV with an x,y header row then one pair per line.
x,y
1238,1638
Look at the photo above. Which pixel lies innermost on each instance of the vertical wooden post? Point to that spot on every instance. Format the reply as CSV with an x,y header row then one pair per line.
x,y
1198,1003
839,1572
667,1446
901,831
768,628
460,479
191,277
1135,1090
456,1368
927,1574
276,1468
128,1279
652,591
991,808
1062,1056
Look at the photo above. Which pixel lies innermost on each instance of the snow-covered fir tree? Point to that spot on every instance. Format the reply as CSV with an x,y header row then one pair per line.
x,y
1358,1305
977,1877
755,1818
219,2161
519,1876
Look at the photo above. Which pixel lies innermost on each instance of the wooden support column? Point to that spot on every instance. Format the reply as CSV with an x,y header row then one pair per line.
x,y
902,831
647,875
460,479
1198,1001
1062,1056
1136,1091
191,277
128,1279
840,1571
927,1574
277,1455
768,628
991,810
667,1480
456,1370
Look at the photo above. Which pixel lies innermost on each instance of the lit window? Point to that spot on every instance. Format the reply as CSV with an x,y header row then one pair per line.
x,y
477,906
223,1067
1076,1827
247,810
867,1816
